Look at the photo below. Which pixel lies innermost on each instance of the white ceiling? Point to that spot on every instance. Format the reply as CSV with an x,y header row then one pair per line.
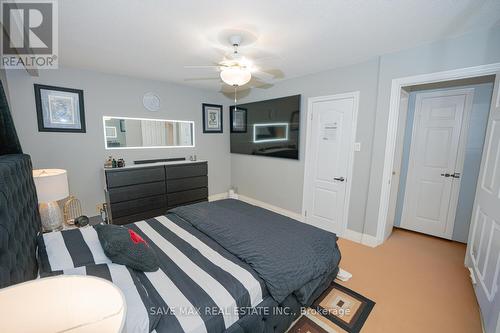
x,y
154,39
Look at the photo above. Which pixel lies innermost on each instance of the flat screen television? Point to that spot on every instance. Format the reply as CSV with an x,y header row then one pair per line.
x,y
267,128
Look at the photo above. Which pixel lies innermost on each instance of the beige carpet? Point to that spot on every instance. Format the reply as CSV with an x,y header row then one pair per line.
x,y
419,283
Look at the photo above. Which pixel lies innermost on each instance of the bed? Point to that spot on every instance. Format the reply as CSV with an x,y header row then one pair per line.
x,y
225,266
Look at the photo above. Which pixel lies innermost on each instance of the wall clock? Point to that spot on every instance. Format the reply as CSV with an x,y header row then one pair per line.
x,y
151,101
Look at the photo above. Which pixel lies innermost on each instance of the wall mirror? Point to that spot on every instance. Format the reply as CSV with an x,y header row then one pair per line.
x,y
134,133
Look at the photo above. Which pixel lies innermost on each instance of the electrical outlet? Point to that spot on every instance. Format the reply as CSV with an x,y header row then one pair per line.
x,y
357,146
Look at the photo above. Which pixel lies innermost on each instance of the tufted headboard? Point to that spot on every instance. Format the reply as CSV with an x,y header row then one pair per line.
x,y
19,217
19,220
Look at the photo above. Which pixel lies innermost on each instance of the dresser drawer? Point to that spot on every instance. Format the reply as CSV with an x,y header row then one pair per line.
x,y
184,171
139,216
131,192
130,207
183,184
134,176
180,198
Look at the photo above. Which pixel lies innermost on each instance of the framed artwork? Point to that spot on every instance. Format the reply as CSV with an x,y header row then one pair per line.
x,y
238,119
59,109
122,125
111,132
212,118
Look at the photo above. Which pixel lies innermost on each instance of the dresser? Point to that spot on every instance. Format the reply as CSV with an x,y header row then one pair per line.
x,y
138,192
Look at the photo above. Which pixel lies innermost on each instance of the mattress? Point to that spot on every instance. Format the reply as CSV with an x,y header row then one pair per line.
x,y
200,286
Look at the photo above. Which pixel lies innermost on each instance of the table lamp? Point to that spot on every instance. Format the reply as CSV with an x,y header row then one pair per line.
x,y
51,186
65,303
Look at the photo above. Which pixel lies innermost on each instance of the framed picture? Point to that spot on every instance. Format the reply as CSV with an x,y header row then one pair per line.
x,y
59,109
122,125
238,119
212,118
111,132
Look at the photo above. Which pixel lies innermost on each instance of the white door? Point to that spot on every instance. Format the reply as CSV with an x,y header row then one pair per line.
x,y
331,131
436,160
398,159
483,247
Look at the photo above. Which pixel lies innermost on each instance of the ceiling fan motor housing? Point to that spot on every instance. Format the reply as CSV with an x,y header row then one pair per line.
x,y
235,40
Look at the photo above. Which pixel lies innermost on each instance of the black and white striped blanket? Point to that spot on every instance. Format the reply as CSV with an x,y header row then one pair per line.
x,y
200,287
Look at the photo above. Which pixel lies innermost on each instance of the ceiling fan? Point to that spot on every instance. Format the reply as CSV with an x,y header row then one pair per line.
x,y
236,70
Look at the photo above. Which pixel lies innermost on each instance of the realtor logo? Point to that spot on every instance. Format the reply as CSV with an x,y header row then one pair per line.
x,y
30,34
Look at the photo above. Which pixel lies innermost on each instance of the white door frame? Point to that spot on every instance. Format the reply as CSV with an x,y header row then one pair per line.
x,y
460,159
392,126
398,160
310,101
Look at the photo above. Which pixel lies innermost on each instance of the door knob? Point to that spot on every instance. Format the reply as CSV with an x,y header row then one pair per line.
x,y
455,175
446,175
340,179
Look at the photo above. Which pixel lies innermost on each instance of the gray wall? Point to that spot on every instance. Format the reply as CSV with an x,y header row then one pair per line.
x,y
275,181
472,163
83,155
279,182
473,49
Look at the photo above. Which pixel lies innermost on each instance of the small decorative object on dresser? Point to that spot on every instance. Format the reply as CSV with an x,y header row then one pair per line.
x,y
51,186
212,118
59,109
109,162
72,209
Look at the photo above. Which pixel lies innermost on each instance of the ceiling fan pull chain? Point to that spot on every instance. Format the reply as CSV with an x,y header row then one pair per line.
x,y
235,101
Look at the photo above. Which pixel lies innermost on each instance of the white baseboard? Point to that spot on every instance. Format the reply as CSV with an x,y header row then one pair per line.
x,y
352,235
279,210
359,237
370,240
217,196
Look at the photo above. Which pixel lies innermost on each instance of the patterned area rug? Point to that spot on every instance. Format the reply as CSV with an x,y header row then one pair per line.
x,y
338,309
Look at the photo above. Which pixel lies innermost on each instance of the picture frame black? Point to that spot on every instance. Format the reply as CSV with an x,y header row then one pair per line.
x,y
242,128
212,118
122,125
64,111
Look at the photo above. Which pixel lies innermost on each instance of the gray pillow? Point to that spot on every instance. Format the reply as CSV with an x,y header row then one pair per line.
x,y
124,246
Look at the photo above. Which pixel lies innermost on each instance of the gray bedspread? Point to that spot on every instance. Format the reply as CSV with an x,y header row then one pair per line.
x,y
290,256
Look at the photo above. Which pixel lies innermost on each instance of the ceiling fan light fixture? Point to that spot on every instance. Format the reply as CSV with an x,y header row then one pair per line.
x,y
235,76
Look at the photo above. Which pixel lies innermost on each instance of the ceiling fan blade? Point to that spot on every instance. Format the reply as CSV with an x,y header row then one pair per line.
x,y
277,73
207,66
256,83
269,74
202,78
262,76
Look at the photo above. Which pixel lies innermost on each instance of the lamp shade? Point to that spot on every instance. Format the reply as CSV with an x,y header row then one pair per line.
x,y
51,184
235,76
76,304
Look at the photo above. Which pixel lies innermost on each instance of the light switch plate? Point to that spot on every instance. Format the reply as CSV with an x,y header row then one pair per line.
x,y
357,146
